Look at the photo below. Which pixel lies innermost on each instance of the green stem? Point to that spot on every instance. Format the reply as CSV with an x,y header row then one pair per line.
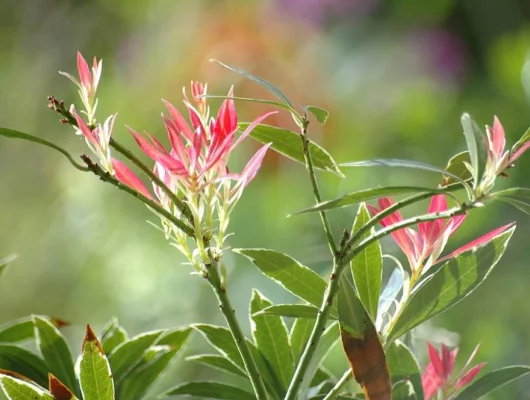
x,y
335,391
214,278
316,191
183,208
106,177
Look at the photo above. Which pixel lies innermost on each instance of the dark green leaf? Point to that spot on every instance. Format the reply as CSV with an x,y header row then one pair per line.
x,y
477,147
457,167
364,195
210,390
352,314
289,144
24,362
218,362
404,366
16,389
321,377
288,273
299,335
271,88
367,266
24,136
113,335
404,390
319,113
128,354
55,351
454,281
95,376
272,339
492,381
290,310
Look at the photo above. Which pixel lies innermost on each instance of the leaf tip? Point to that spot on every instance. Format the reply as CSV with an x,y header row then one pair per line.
x,y
58,390
90,336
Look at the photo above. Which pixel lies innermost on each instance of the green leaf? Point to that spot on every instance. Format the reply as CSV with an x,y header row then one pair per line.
x,y
364,195
262,82
210,390
521,194
492,381
525,138
299,335
272,339
457,167
24,362
16,389
290,310
319,113
453,281
252,100
218,362
17,331
175,338
95,376
289,144
55,351
403,366
404,390
352,314
476,145
367,266
112,336
328,339
521,205
289,273
130,353
5,263
24,136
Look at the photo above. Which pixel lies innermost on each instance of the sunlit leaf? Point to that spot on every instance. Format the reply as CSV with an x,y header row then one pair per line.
x,y
289,273
403,366
388,296
290,310
112,336
451,283
457,167
289,144
492,381
365,195
55,351
16,389
218,362
367,266
319,113
210,390
271,337
477,147
95,376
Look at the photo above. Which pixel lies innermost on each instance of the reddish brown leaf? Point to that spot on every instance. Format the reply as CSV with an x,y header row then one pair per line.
x,y
58,389
90,336
368,363
16,375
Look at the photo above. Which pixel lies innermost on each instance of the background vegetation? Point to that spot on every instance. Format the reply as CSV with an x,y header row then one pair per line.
x,y
395,76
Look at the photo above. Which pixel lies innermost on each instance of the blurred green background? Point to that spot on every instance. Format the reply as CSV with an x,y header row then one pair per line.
x,y
395,76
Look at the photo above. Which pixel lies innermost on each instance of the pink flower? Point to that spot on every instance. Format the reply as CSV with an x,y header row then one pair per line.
x,y
424,246
438,373
498,159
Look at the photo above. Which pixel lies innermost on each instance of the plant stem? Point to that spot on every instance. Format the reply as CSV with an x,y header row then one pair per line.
x,y
335,391
214,278
314,184
183,208
106,177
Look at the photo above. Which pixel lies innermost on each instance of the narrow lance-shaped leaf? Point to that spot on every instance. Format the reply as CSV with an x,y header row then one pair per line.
x,y
367,266
112,336
403,366
288,143
491,381
352,314
210,390
16,389
23,329
23,362
55,351
217,362
95,376
476,145
388,296
299,335
289,273
360,196
453,281
272,339
290,310
521,205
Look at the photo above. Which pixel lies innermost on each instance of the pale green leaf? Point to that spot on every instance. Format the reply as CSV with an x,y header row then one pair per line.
x,y
16,389
492,381
290,310
112,336
477,147
457,167
319,113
